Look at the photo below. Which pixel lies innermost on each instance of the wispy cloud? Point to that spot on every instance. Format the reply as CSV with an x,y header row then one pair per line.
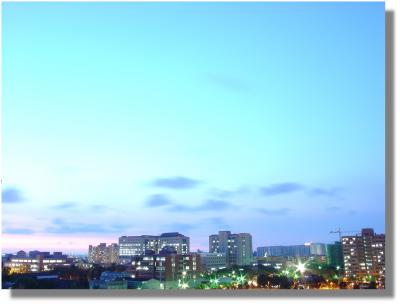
x,y
292,187
332,192
60,226
333,209
221,193
11,195
98,207
213,222
66,205
209,205
273,212
176,182
281,188
18,231
158,200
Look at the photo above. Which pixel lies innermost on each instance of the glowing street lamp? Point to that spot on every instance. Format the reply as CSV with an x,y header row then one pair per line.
x,y
301,267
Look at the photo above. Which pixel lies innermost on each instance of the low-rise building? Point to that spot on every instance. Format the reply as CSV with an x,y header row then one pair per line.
x,y
212,261
37,261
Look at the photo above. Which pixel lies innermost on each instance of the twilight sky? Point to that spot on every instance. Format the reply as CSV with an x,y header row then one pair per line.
x,y
143,118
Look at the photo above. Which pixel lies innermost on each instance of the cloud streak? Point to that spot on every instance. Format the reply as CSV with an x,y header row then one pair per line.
x,y
273,212
158,200
221,193
161,200
11,195
281,188
292,187
332,192
176,182
209,205
18,231
66,205
60,226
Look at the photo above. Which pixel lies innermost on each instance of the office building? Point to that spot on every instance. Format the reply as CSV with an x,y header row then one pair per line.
x,y
103,254
284,251
37,261
364,254
277,262
237,247
334,255
317,249
212,261
166,266
130,246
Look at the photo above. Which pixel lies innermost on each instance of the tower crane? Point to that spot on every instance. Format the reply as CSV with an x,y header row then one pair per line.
x,y
340,231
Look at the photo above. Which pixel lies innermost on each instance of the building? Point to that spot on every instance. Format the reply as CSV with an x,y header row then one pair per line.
x,y
334,255
212,261
277,262
103,254
285,251
37,261
186,266
364,254
130,246
166,266
317,249
110,280
237,247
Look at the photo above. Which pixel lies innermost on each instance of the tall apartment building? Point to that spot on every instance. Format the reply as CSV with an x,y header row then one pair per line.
x,y
103,254
130,246
237,247
364,254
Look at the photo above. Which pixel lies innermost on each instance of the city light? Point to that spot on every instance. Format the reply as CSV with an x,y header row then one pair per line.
x,y
301,267
173,270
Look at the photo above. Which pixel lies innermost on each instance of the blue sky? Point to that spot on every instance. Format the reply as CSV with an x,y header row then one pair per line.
x,y
140,118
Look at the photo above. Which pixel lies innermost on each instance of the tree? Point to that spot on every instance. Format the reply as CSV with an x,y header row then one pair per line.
x,y
372,284
262,280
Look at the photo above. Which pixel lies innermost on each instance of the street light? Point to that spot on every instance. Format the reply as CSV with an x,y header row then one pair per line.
x,y
301,267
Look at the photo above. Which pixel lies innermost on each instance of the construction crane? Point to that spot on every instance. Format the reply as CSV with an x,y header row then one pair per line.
x,y
340,231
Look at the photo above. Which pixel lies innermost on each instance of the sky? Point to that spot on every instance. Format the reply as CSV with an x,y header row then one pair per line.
x,y
144,118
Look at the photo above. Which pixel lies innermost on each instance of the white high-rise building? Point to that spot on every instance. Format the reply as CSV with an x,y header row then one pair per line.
x,y
137,245
237,247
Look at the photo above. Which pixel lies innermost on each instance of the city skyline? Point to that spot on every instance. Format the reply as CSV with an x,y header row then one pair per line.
x,y
138,118
254,248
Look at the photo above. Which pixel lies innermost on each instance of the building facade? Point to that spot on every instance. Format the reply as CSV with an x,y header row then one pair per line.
x,y
237,247
364,254
166,266
212,261
130,246
284,251
37,261
103,254
317,249
334,255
